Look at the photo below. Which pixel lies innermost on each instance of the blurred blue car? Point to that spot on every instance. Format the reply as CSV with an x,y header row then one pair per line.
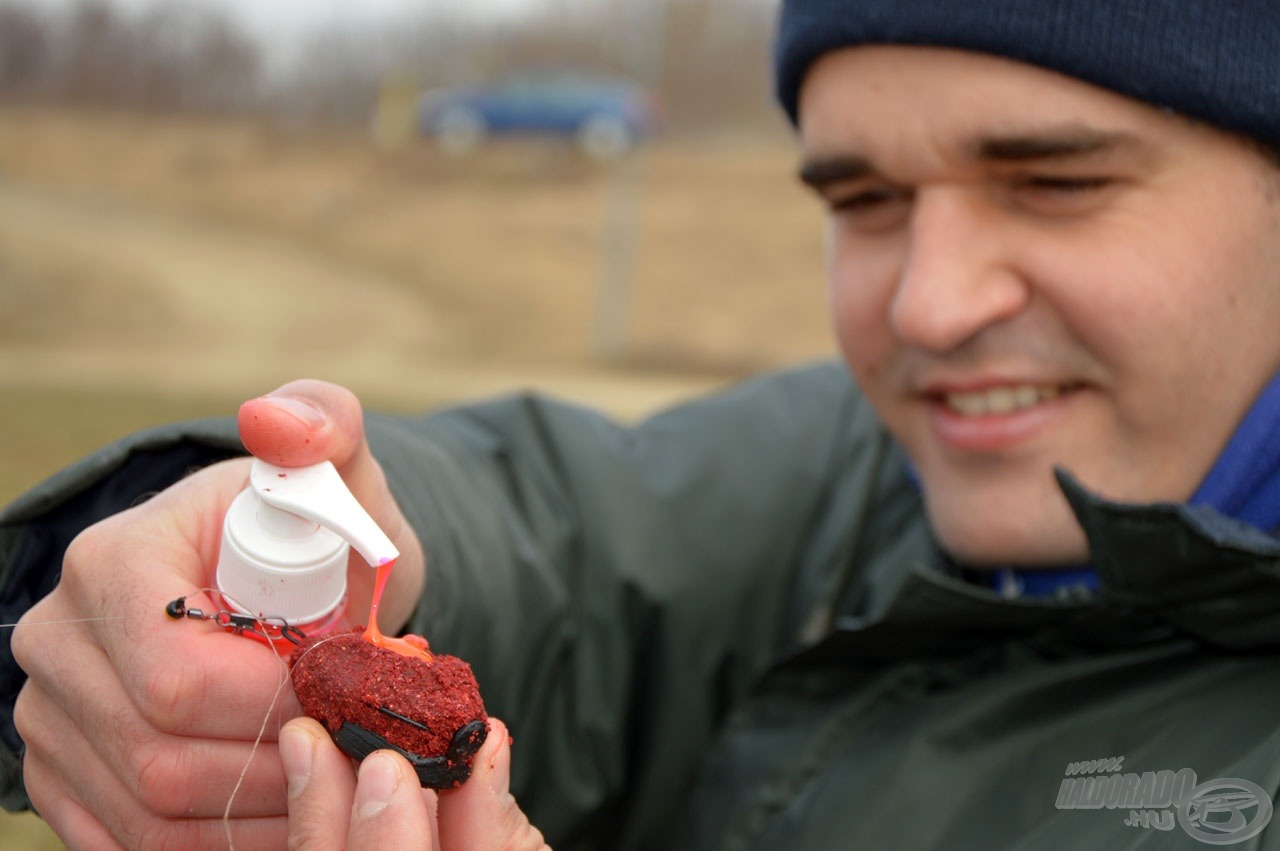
x,y
606,116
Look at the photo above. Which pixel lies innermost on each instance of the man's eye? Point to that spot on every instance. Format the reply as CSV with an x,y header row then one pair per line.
x,y
1066,185
863,200
1055,195
874,209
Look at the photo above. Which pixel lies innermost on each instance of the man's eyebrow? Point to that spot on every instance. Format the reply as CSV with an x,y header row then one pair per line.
x,y
1030,146
823,171
1052,145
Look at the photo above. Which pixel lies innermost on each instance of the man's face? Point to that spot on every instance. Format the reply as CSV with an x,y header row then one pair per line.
x,y
1027,271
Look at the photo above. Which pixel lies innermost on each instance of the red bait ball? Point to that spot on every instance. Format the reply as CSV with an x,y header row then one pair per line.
x,y
371,698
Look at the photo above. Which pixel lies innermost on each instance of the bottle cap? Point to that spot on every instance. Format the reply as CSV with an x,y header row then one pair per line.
x,y
285,542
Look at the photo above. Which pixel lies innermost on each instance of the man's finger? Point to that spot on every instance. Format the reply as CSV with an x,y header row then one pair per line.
x,y
66,794
391,809
74,825
171,776
184,678
482,812
321,785
386,808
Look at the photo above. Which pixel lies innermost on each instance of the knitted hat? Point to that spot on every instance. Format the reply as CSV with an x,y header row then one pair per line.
x,y
1215,60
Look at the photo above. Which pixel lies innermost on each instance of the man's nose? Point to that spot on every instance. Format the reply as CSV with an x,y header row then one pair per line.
x,y
956,277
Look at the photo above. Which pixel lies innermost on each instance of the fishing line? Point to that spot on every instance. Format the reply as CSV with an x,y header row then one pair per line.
x,y
264,627
266,718
55,623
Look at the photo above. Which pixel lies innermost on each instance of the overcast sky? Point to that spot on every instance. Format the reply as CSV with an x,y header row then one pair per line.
x,y
286,19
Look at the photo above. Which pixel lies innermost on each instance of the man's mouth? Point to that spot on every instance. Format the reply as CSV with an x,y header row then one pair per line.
x,y
1000,400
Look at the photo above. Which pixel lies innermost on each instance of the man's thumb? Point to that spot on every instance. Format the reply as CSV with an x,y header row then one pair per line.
x,y
304,422
308,421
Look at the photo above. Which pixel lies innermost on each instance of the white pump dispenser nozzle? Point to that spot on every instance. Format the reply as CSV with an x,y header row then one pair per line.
x,y
285,542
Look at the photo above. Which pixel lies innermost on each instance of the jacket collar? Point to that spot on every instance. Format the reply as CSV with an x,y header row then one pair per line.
x,y
1168,572
1213,577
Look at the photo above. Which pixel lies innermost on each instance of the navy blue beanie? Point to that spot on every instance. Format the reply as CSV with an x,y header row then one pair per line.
x,y
1214,60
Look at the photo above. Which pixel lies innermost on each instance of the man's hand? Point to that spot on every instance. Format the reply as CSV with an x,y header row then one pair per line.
x,y
137,728
330,807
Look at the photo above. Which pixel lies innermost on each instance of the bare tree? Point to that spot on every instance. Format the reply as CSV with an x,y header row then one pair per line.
x,y
708,59
25,50
173,57
193,60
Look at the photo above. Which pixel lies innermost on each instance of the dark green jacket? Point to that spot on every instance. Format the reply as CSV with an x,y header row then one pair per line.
x,y
728,627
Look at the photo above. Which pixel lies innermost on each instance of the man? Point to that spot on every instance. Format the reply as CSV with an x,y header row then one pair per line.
x,y
1017,589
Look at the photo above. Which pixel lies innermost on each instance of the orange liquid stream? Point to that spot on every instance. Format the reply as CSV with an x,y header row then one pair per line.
x,y
410,645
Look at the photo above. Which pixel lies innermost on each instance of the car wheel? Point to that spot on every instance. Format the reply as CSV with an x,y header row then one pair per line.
x,y
459,131
604,137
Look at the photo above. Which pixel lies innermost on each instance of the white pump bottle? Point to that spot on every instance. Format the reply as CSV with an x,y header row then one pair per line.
x,y
285,541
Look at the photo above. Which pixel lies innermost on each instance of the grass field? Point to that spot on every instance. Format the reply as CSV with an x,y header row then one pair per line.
x,y
156,269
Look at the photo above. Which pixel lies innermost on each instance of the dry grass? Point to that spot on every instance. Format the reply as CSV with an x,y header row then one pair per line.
x,y
501,253
213,258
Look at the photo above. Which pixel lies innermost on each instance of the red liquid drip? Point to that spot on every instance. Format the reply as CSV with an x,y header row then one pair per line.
x,y
410,645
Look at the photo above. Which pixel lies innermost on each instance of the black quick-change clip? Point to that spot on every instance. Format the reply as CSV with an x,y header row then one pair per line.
x,y
252,625
434,772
